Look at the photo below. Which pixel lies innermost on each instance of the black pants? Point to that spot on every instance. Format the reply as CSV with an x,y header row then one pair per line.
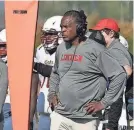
x,y
113,115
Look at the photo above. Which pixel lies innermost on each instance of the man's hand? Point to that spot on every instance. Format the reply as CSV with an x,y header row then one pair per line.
x,y
53,101
128,70
94,107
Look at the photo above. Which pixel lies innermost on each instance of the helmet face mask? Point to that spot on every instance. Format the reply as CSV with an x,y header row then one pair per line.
x,y
49,39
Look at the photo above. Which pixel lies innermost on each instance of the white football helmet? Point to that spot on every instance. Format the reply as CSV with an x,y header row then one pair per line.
x,y
3,48
51,33
123,41
3,36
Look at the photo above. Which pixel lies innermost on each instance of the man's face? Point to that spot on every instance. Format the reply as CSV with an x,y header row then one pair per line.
x,y
68,28
3,49
49,37
108,35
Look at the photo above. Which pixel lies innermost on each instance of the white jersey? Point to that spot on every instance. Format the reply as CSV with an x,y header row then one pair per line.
x,y
43,57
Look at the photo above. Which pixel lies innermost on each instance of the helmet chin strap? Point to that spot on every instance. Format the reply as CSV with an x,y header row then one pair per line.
x,y
47,45
52,50
52,44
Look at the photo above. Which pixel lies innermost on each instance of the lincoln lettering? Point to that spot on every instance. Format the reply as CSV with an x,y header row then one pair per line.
x,y
70,57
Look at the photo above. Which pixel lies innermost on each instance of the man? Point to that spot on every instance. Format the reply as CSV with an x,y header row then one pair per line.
x,y
3,77
120,119
45,57
112,37
78,80
110,31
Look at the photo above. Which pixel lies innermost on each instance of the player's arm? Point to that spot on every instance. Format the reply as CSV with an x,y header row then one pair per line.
x,y
44,70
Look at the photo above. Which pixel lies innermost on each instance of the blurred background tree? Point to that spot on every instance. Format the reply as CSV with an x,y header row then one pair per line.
x,y
122,11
